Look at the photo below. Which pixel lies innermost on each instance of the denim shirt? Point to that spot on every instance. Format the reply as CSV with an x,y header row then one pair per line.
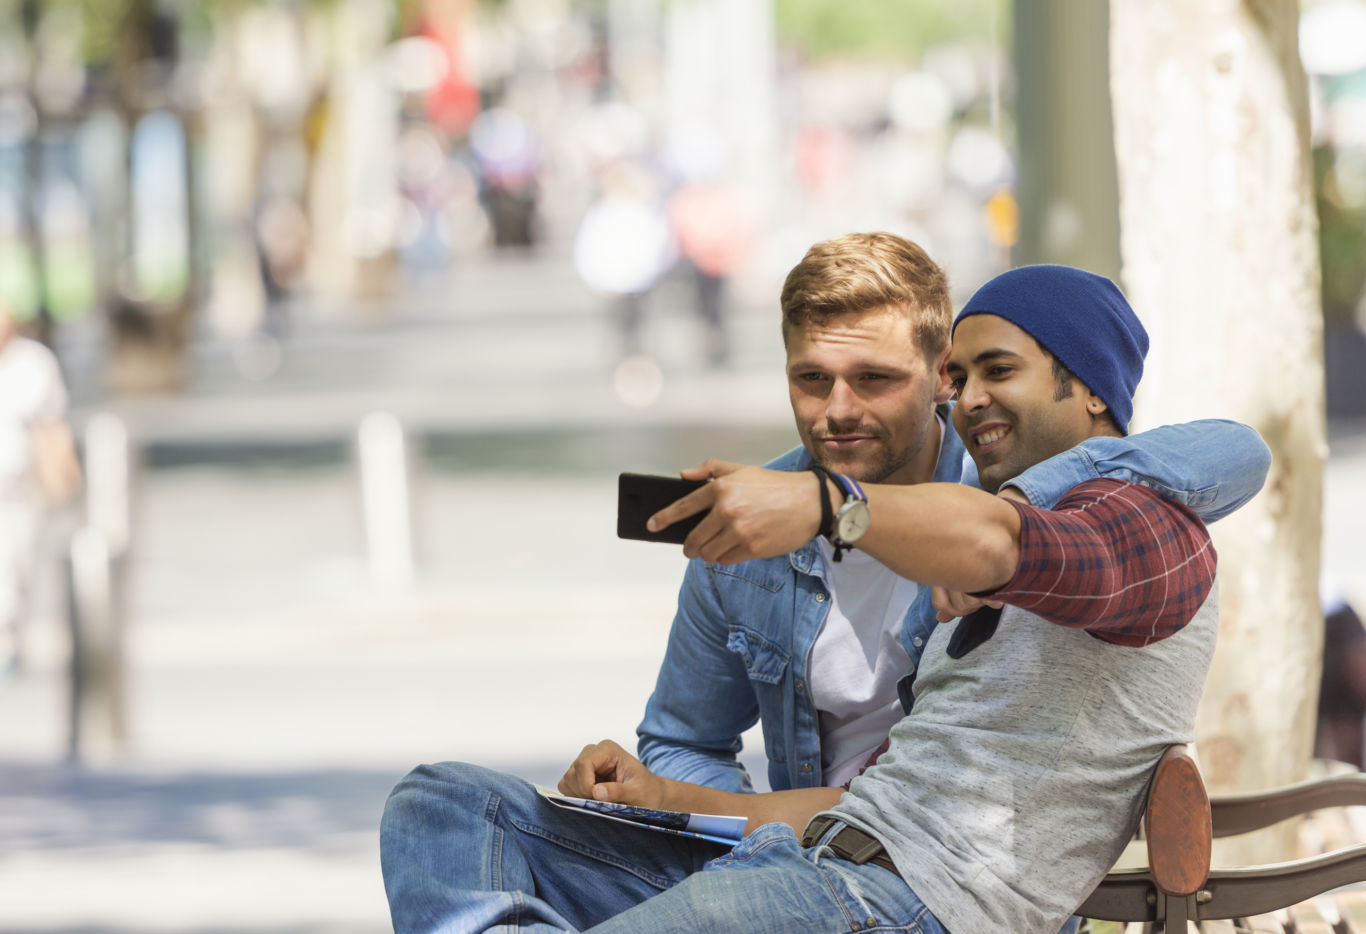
x,y
740,648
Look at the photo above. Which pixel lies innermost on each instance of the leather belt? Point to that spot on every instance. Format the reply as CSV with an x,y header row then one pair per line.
x,y
848,843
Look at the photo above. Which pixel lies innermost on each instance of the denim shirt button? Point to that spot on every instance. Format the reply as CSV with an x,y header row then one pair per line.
x,y
806,766
820,598
918,642
800,686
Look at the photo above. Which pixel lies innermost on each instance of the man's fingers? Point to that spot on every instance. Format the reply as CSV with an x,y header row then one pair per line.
x,y
697,501
611,791
599,760
709,469
942,601
952,604
578,779
712,539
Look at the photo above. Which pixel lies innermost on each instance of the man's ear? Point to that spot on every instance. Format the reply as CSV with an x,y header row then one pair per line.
x,y
943,392
1095,404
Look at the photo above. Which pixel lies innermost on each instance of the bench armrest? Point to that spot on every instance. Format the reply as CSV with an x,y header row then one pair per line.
x,y
1242,813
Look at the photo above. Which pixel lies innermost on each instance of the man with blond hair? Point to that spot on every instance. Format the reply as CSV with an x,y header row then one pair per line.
x,y
812,640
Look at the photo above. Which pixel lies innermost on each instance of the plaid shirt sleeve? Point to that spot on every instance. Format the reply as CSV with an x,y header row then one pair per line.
x,y
1115,559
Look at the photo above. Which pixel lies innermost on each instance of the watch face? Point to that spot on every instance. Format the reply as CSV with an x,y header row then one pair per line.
x,y
852,521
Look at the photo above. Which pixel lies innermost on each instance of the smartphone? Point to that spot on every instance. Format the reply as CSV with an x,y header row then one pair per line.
x,y
640,496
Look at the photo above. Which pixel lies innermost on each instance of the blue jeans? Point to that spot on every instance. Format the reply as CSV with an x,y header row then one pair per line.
x,y
468,849
768,884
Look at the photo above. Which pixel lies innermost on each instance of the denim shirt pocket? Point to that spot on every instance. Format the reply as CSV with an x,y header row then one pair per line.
x,y
766,665
765,662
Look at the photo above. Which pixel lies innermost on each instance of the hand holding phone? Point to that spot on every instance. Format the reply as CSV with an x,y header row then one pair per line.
x,y
640,496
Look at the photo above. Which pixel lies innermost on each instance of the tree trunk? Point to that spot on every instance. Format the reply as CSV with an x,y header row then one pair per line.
x,y
1220,260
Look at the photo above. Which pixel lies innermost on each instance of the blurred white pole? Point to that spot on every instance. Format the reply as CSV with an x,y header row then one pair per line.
x,y
384,490
98,727
106,480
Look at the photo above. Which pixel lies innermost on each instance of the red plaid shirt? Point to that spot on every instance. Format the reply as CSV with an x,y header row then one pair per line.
x,y
1115,559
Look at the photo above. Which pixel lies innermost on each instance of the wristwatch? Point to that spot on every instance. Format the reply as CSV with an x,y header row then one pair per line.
x,y
852,519
846,526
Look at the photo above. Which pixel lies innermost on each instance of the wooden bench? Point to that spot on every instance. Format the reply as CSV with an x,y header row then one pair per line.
x,y
1178,886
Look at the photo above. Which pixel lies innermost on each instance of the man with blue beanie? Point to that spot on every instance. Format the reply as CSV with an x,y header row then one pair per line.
x,y
1103,350
1019,773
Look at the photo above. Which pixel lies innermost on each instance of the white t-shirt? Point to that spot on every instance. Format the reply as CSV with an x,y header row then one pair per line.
x,y
31,393
858,658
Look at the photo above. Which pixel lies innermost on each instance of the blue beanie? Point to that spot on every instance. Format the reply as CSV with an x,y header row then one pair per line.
x,y
1080,318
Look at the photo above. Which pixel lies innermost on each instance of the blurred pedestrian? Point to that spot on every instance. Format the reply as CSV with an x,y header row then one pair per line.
x,y
37,463
624,246
508,153
713,229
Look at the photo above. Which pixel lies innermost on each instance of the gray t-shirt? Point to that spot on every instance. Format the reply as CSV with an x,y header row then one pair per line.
x,y
1020,775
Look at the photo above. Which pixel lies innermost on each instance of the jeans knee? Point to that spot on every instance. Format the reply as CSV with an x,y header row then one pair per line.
x,y
450,793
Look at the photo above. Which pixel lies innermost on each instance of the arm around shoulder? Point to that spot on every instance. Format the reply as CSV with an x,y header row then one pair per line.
x,y
1213,466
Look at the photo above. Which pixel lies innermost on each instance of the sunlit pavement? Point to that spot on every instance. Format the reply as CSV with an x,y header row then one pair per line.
x,y
275,693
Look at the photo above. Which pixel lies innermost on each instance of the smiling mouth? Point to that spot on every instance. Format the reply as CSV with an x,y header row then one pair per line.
x,y
990,437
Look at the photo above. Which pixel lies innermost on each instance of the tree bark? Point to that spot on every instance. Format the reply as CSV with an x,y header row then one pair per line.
x,y
1219,251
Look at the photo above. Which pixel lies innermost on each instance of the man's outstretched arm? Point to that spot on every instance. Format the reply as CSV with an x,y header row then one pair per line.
x,y
933,533
962,539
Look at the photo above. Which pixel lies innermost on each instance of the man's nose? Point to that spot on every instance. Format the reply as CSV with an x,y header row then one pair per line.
x,y
842,405
972,396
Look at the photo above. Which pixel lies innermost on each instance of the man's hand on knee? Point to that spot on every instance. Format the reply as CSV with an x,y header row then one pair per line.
x,y
606,772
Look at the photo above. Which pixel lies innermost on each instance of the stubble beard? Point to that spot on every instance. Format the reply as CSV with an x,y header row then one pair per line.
x,y
882,466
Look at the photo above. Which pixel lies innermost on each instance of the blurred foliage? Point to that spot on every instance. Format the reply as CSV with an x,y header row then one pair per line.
x,y
822,29
105,20
1342,238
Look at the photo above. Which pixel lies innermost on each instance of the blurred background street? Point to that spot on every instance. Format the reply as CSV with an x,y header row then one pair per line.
x,y
527,244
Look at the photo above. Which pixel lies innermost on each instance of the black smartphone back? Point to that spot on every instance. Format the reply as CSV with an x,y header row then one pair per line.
x,y
640,496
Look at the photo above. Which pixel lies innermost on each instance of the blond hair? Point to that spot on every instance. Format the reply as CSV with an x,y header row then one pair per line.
x,y
866,271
